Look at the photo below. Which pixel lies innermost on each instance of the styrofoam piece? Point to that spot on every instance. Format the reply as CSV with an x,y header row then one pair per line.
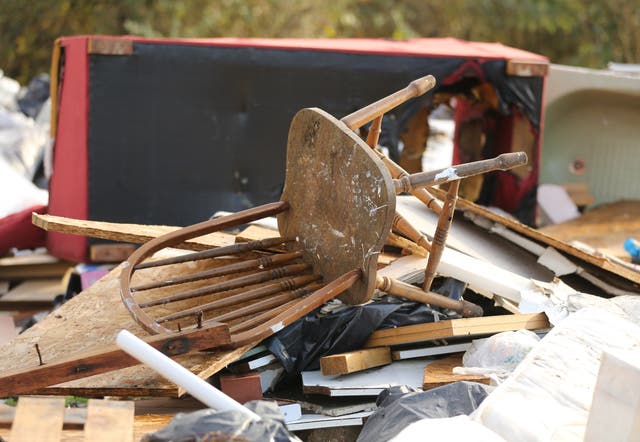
x,y
615,411
370,382
548,397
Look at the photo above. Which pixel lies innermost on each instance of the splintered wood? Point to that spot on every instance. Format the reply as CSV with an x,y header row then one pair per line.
x,y
135,233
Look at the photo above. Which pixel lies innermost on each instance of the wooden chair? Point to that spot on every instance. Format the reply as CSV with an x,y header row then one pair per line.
x,y
335,214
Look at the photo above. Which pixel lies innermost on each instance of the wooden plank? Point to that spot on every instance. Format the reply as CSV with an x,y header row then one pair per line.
x,y
110,252
255,232
440,372
33,265
38,419
537,235
93,319
40,292
457,328
354,361
109,421
134,233
73,417
107,358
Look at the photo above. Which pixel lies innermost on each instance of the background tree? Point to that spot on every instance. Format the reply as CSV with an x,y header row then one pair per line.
x,y
577,32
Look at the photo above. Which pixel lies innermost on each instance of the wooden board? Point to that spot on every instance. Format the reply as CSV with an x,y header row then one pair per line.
x,y
110,252
92,319
38,419
537,235
134,233
109,421
457,328
341,200
604,228
354,361
34,265
440,372
143,424
33,293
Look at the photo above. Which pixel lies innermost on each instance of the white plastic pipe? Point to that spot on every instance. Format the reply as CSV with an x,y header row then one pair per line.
x,y
176,373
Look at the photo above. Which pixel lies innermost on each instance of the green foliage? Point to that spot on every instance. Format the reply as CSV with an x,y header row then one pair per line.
x,y
580,32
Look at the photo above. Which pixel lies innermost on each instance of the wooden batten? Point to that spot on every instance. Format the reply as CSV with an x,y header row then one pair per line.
x,y
457,328
354,361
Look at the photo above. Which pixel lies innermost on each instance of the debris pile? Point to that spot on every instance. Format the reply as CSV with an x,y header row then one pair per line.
x,y
378,307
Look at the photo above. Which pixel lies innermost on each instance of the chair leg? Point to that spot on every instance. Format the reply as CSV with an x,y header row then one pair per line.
x,y
440,236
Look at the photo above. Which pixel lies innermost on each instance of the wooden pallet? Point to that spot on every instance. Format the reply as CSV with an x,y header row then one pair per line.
x,y
42,419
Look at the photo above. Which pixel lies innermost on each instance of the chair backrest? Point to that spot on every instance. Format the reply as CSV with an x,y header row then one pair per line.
x,y
341,200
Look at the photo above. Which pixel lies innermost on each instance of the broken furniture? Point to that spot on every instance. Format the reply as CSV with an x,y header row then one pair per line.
x,y
223,147
337,238
333,239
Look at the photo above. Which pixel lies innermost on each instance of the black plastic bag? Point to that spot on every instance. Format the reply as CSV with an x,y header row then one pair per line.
x,y
210,425
400,406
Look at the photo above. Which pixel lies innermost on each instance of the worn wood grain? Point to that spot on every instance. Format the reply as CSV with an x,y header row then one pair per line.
x,y
457,328
440,372
354,361
341,200
134,233
38,419
109,421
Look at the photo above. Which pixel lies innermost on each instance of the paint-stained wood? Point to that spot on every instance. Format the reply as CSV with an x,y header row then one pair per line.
x,y
38,419
457,328
109,421
440,372
341,200
354,361
134,233
93,319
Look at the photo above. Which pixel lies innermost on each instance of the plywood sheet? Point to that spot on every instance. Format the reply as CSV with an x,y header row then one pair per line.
x,y
92,319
